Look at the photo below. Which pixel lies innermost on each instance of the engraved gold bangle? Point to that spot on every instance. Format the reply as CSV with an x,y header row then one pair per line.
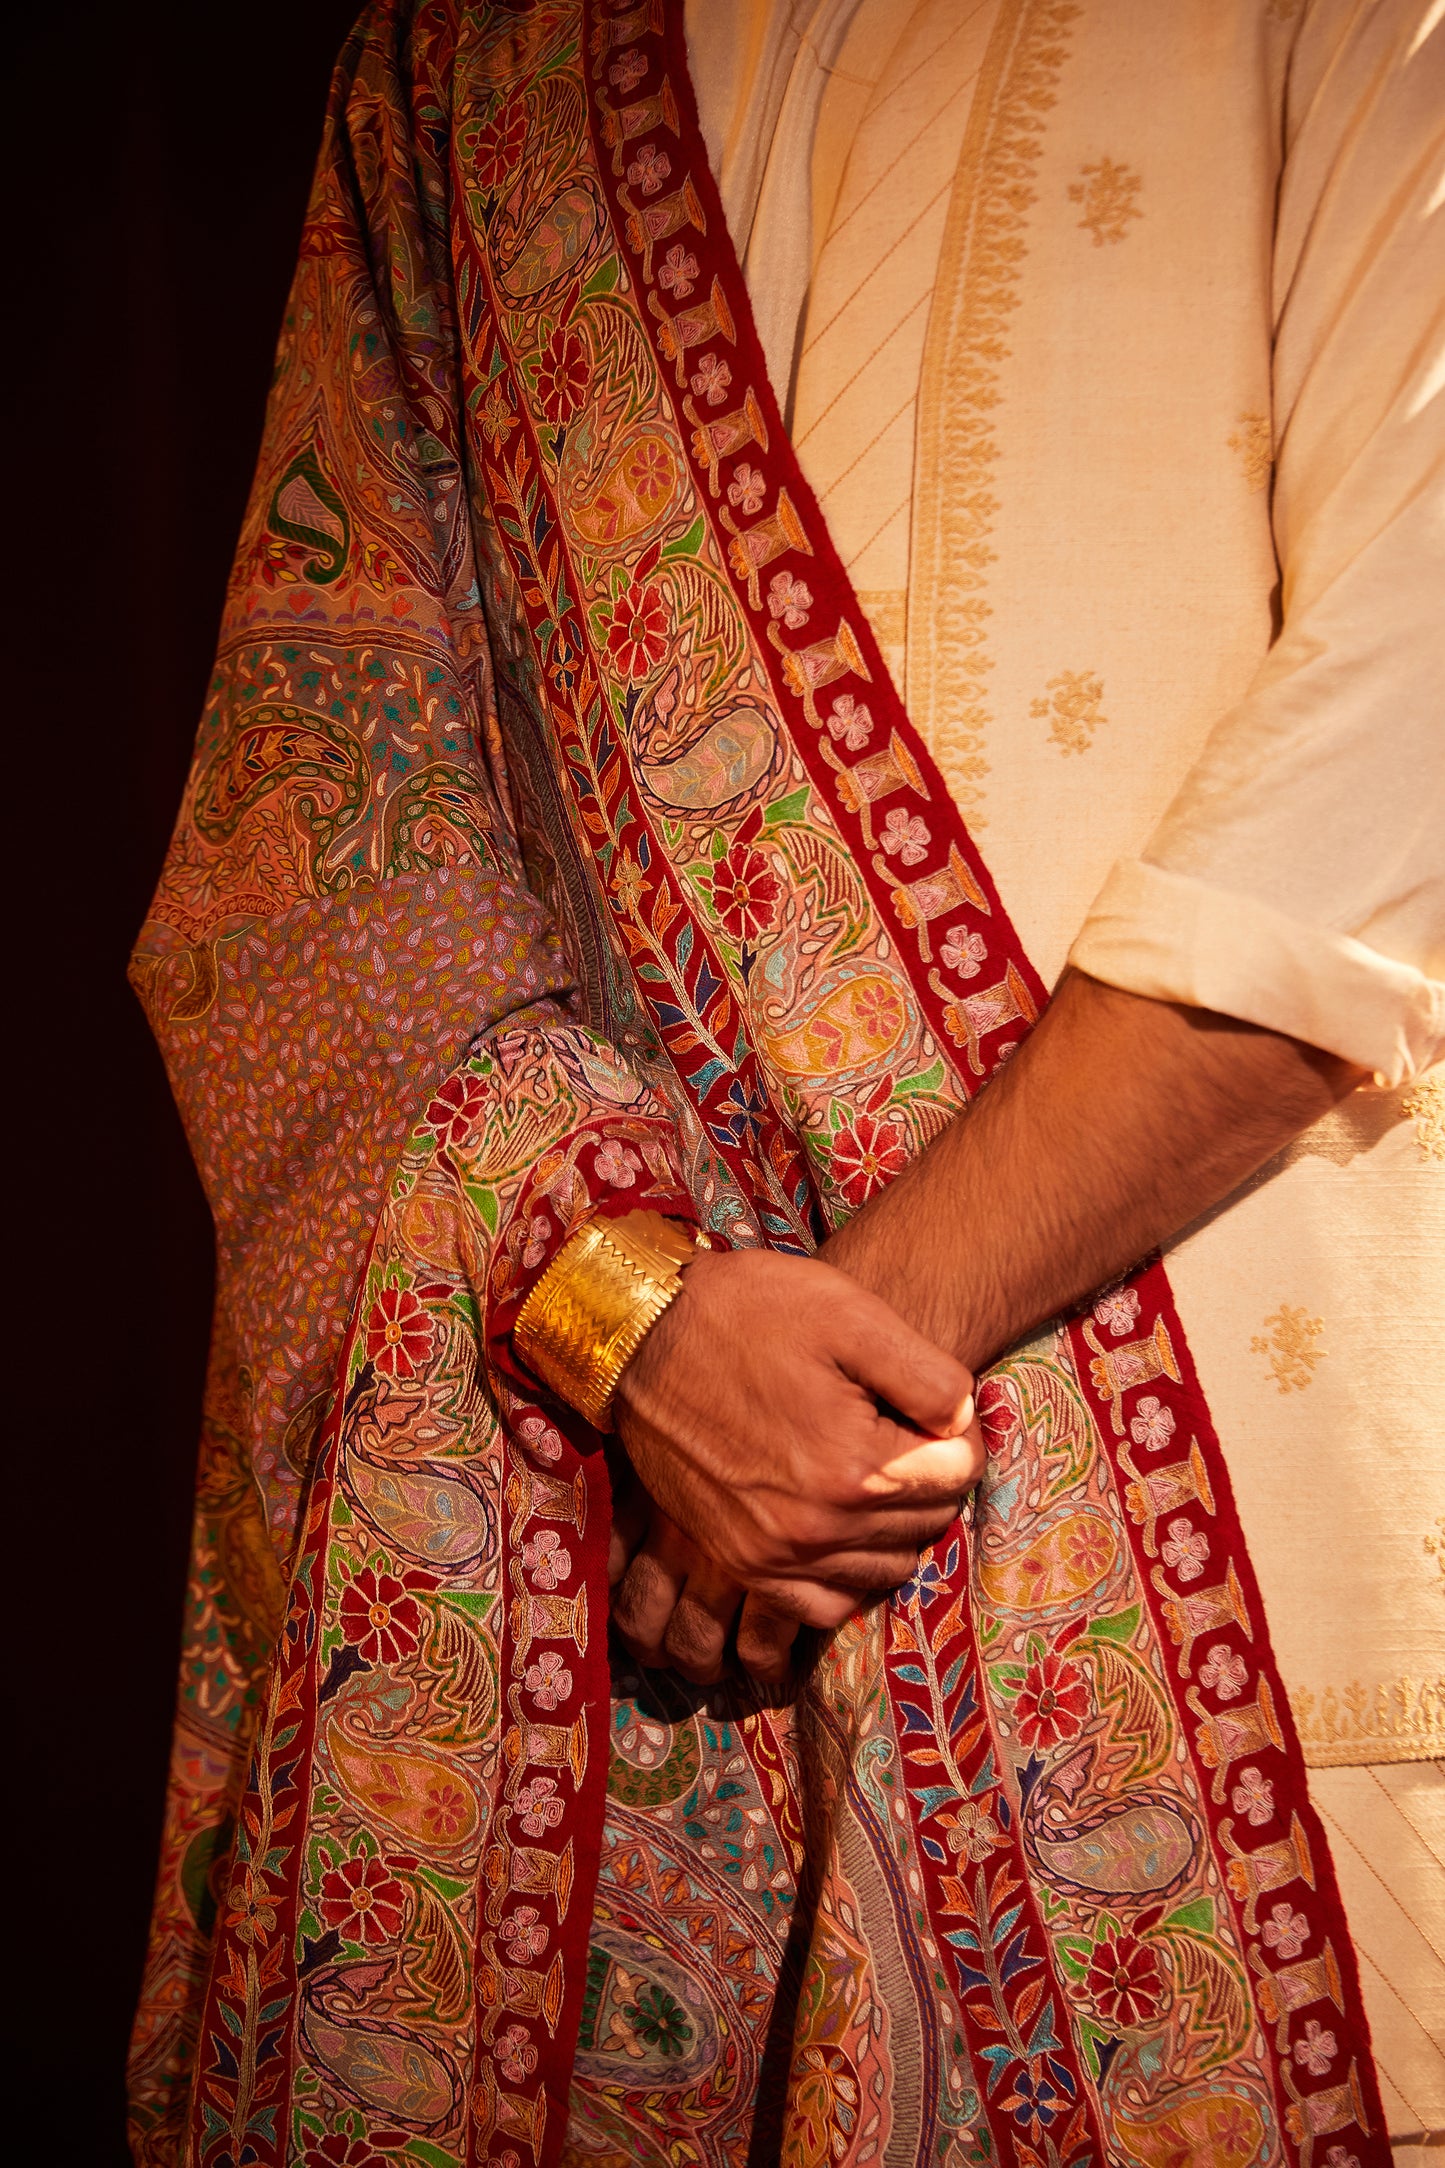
x,y
588,1314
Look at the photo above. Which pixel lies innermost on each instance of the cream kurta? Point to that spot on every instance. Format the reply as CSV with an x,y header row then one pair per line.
x,y
1111,342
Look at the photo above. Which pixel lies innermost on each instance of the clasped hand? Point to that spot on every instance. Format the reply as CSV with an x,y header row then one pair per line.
x,y
798,1445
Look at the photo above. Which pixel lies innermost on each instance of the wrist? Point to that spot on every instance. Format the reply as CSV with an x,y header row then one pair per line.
x,y
588,1314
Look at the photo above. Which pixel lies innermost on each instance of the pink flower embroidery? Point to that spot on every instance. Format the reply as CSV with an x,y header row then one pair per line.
x,y
537,1433
538,1806
628,70
545,1559
746,488
678,272
516,2055
1337,2157
615,1165
1185,1549
548,1681
711,378
1153,1425
906,838
1317,2050
789,598
524,1934
963,951
1253,1797
649,169
1286,1931
536,1245
849,720
1224,1671
1117,1310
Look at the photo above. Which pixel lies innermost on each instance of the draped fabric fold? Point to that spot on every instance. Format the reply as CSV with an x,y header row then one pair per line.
x,y
558,843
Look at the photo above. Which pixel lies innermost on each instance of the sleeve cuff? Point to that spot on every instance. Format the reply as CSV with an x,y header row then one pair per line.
x,y
1174,939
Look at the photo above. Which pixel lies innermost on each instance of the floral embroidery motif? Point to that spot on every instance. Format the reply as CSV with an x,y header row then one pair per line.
x,y
790,599
637,629
1426,1103
498,420
563,374
1224,1671
516,2056
906,837
615,1165
1118,1310
546,1559
1253,1797
524,1934
1254,444
747,487
1286,1931
362,1901
1153,1425
379,1618
1186,1549
1107,192
627,70
539,1807
1289,1345
678,272
1052,1702
745,892
850,722
965,953
711,378
1317,2050
1124,1980
1073,713
866,1157
649,169
548,1681
399,1333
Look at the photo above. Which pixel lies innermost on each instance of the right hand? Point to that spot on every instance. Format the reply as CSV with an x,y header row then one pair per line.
x,y
751,1414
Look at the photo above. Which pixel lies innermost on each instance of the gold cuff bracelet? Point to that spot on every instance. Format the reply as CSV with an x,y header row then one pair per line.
x,y
587,1316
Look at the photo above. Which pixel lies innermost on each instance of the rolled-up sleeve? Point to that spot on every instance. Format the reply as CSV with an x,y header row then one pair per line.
x,y
1297,880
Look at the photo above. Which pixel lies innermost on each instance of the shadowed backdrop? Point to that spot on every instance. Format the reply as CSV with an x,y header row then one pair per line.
x,y
160,157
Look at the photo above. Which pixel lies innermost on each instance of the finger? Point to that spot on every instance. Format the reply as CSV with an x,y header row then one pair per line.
x,y
765,1640
861,1573
695,1642
880,1351
804,1602
631,1508
647,1594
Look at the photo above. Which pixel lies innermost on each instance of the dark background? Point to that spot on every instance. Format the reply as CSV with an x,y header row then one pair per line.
x,y
161,154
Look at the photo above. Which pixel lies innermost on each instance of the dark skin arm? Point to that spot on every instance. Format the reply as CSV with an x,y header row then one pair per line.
x,y
1119,1121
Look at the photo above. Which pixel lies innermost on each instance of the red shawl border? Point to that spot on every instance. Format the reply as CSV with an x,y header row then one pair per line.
x,y
1152,1371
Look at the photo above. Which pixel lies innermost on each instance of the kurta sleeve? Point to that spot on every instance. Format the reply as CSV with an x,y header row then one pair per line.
x,y
1298,878
344,906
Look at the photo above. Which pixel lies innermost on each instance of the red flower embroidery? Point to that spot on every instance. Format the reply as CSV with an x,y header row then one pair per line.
x,y
454,1110
1052,1703
379,1616
563,374
744,893
1124,1980
399,1334
362,1901
500,145
866,1157
637,632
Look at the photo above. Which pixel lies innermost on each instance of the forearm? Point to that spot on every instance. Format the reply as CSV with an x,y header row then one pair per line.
x,y
1119,1121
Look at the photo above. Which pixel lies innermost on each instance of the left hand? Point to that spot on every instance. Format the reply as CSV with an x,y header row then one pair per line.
x,y
675,1608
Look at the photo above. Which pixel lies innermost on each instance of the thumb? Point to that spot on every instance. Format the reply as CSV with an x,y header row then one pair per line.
x,y
881,1352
